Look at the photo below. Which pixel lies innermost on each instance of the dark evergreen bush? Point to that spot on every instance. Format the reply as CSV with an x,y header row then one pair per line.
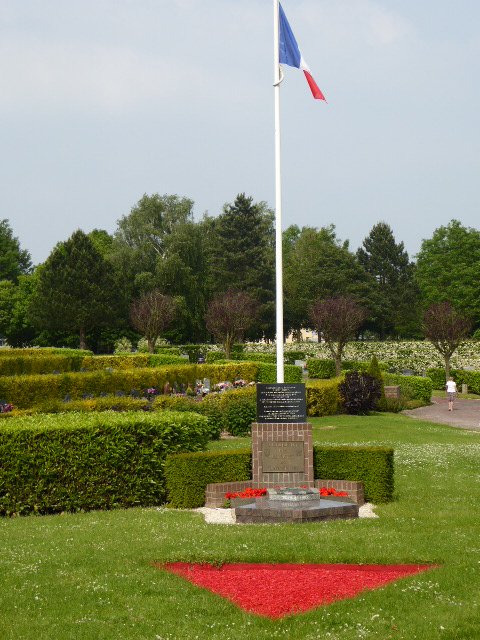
x,y
360,392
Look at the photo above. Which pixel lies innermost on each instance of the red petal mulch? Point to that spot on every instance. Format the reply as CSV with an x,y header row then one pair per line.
x,y
277,590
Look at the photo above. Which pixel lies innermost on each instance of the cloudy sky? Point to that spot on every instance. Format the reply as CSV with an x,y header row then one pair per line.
x,y
102,101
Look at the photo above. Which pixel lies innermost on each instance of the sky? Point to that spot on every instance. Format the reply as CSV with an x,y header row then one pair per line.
x,y
102,101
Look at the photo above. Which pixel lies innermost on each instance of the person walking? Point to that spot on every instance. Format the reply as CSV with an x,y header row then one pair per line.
x,y
451,387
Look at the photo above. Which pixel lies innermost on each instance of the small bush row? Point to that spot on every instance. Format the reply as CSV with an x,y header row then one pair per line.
x,y
325,368
411,387
72,462
461,376
231,411
187,475
26,391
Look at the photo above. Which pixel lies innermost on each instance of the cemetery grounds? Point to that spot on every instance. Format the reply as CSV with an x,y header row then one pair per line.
x,y
90,575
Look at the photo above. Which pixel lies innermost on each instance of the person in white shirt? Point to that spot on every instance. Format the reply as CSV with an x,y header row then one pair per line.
x,y
451,387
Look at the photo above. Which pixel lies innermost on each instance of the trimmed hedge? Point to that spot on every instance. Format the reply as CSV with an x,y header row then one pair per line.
x,y
187,474
44,363
108,403
324,368
318,368
461,376
72,462
323,397
232,411
40,352
185,403
291,356
411,387
14,365
215,356
27,391
437,376
371,465
256,357
471,378
267,373
122,361
238,409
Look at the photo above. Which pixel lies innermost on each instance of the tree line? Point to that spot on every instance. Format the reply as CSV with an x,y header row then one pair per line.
x,y
88,290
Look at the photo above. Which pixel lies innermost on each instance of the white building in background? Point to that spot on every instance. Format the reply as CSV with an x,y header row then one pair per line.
x,y
306,335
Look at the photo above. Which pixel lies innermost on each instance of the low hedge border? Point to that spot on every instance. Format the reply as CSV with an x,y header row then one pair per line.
x,y
411,387
461,376
187,475
26,391
72,462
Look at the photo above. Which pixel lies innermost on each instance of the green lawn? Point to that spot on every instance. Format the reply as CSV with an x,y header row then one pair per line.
x,y
88,576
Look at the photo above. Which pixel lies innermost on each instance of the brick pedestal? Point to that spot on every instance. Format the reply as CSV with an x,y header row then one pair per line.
x,y
282,433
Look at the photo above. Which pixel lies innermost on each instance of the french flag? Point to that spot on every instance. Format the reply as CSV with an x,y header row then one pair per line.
x,y
290,54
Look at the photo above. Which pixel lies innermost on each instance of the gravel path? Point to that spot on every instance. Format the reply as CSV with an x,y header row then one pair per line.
x,y
465,414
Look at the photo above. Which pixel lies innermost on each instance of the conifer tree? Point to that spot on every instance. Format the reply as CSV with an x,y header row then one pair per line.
x,y
75,289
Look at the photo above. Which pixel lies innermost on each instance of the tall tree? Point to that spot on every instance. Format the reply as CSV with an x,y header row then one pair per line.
x,y
448,265
143,232
446,329
318,266
337,321
15,324
229,315
241,254
389,264
14,261
75,289
183,273
151,314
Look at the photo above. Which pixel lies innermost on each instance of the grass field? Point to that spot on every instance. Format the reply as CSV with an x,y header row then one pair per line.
x,y
89,576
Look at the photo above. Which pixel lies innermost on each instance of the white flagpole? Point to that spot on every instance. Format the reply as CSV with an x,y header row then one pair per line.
x,y
278,197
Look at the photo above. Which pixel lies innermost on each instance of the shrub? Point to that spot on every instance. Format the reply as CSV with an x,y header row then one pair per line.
x,y
437,376
74,462
239,410
375,371
267,373
46,363
26,391
318,368
323,397
123,345
124,361
411,387
108,403
394,405
256,357
40,352
461,376
187,475
360,392
164,358
215,356
471,378
371,465
185,403
291,356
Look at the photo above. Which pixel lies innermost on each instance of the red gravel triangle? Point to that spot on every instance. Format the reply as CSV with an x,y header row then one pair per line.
x,y
277,590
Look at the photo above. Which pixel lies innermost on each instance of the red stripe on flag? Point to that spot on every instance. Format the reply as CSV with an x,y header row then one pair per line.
x,y
316,93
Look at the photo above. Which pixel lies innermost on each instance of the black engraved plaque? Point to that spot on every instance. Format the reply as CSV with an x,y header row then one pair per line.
x,y
281,402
